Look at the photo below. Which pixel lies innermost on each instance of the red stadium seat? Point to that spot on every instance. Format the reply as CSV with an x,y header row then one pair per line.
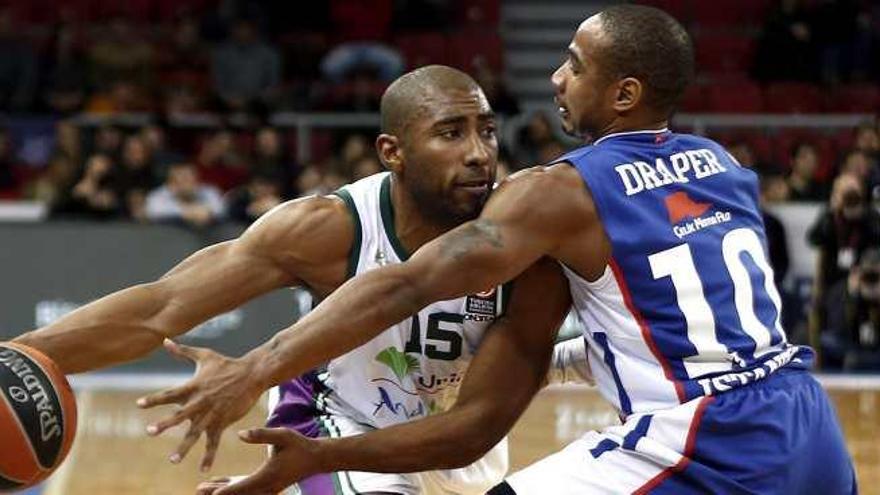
x,y
724,53
675,8
694,100
478,12
738,97
727,14
857,98
791,97
466,47
422,49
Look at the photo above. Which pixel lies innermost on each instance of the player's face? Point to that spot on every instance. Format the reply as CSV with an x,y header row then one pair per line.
x,y
451,154
583,91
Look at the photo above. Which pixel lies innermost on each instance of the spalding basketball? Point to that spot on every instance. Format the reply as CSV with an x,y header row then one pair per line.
x,y
37,416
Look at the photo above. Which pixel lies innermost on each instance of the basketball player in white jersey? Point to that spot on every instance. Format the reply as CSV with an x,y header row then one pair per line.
x,y
439,143
663,244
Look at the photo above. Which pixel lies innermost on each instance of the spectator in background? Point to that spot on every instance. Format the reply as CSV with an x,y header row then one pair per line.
x,y
361,27
366,166
220,163
246,71
184,199
108,141
136,177
68,142
249,202
121,60
310,181
500,99
18,68
868,141
55,179
802,183
64,73
94,196
841,233
786,46
536,140
183,69
774,190
269,159
851,338
154,137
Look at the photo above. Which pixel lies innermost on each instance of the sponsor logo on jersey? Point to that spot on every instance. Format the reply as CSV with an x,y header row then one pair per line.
x,y
481,306
688,215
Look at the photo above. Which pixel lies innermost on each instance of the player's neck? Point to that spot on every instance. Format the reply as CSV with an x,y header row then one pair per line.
x,y
413,227
633,124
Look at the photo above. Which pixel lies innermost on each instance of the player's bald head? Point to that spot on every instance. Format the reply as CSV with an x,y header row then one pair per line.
x,y
407,98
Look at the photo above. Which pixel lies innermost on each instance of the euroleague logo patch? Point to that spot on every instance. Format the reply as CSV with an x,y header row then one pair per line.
x,y
681,207
482,306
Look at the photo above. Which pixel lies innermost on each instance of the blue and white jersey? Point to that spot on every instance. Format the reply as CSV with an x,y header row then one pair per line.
x,y
687,306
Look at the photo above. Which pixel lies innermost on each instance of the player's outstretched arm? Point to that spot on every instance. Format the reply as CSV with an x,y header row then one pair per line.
x,y
527,218
294,239
509,367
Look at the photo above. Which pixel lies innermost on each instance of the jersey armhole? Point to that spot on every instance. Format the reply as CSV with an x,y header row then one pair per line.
x,y
355,252
504,298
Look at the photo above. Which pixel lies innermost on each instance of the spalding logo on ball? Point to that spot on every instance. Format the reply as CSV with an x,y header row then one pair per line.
x,y
37,416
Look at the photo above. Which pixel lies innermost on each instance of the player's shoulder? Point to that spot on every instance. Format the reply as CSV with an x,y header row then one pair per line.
x,y
309,224
556,189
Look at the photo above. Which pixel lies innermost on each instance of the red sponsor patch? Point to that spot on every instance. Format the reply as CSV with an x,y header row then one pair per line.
x,y
680,206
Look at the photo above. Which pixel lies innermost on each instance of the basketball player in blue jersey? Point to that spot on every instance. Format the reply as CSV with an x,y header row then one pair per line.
x,y
662,242
439,143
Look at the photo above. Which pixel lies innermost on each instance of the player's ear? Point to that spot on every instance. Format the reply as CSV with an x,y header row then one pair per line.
x,y
629,93
389,152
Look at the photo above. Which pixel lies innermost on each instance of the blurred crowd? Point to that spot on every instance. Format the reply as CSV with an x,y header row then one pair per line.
x,y
104,57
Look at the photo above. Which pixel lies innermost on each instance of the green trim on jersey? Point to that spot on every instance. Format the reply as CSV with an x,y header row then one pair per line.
x,y
387,209
355,252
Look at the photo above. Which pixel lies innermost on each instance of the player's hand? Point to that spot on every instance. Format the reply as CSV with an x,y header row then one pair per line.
x,y
220,393
293,458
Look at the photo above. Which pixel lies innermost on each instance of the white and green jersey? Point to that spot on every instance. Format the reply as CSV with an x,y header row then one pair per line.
x,y
415,367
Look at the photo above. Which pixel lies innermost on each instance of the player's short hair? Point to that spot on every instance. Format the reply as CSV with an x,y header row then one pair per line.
x,y
403,101
650,45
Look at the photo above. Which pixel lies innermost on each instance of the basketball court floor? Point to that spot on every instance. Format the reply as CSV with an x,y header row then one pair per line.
x,y
113,456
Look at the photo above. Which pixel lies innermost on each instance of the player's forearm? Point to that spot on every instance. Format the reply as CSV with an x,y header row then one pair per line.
x,y
114,329
330,330
449,440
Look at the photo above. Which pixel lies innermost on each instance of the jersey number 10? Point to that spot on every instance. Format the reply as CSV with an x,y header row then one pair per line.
x,y
678,264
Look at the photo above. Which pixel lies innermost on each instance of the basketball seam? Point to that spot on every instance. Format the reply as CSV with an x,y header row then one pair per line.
x,y
22,429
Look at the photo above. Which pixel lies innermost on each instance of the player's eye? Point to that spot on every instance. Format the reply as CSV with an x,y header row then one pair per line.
x,y
489,131
450,134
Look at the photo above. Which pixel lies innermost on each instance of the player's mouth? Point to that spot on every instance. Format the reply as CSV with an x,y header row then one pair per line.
x,y
474,186
561,108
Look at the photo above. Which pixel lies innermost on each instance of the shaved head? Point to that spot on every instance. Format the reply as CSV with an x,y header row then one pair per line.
x,y
405,99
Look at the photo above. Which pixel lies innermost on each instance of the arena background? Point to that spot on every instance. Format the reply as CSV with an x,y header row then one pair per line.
x,y
274,100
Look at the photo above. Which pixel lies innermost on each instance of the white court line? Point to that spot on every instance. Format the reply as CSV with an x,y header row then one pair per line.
x,y
57,483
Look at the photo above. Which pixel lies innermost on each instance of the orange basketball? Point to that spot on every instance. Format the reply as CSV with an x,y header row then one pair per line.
x,y
37,416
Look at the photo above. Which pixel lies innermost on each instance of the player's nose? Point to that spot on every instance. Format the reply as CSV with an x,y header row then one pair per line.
x,y
558,79
479,152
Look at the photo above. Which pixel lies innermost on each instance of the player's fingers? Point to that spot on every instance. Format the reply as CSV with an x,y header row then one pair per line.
x,y
209,487
168,396
179,416
192,436
212,443
274,436
182,351
258,483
